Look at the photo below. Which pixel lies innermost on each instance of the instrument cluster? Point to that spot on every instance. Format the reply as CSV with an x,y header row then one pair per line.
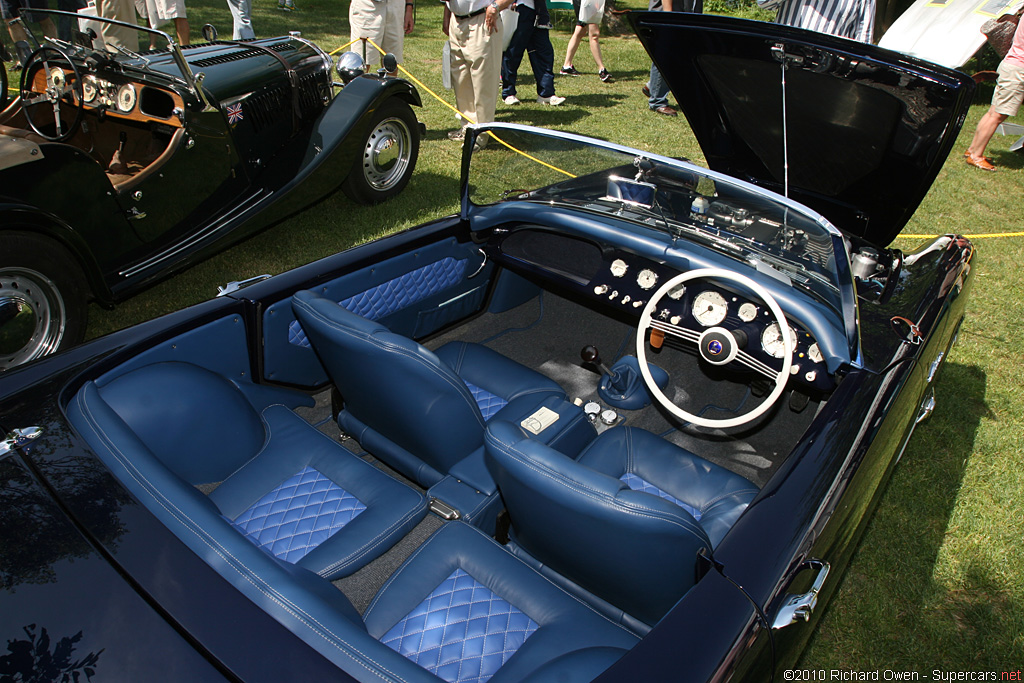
x,y
98,92
701,305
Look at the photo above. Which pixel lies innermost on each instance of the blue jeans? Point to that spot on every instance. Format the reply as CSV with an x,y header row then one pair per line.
x,y
659,89
537,44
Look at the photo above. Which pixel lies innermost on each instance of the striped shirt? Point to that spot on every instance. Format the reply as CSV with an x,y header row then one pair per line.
x,y
853,19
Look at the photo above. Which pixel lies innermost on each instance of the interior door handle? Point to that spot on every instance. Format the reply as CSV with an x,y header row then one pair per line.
x,y
797,607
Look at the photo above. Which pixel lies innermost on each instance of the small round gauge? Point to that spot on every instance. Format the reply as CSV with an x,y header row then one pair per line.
x,y
126,98
609,416
814,353
592,409
709,308
772,343
57,78
677,292
89,89
619,267
748,312
646,279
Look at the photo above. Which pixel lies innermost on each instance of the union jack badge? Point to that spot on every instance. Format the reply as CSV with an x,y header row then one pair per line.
x,y
234,113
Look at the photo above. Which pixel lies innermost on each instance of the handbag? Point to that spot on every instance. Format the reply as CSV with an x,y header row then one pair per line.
x,y
1000,31
509,22
591,11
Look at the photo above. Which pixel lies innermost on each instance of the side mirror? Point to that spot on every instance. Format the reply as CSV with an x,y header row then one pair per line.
x,y
390,63
209,33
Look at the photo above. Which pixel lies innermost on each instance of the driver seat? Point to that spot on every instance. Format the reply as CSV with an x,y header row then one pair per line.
x,y
625,521
421,412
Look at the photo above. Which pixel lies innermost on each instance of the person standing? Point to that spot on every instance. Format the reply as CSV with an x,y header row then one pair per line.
x,y
535,41
159,12
385,22
853,19
594,32
656,89
1006,101
241,19
112,34
13,9
474,30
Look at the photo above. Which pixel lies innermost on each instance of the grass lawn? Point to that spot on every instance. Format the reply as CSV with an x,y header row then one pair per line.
x,y
938,582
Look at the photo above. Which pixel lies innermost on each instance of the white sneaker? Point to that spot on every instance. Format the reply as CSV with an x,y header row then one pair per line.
x,y
554,100
511,100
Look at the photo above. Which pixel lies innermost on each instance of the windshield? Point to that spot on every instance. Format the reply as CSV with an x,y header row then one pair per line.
x,y
684,201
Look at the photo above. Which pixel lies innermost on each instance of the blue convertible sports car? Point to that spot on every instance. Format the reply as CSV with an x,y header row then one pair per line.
x,y
397,463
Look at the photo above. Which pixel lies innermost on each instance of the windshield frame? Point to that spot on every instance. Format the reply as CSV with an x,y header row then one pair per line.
x,y
843,271
137,61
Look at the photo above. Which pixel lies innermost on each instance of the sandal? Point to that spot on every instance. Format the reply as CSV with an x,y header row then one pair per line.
x,y
982,163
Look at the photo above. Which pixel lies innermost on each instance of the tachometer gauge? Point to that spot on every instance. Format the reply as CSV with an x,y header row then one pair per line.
x,y
772,343
619,267
89,89
709,308
126,98
814,353
676,293
646,279
748,312
57,78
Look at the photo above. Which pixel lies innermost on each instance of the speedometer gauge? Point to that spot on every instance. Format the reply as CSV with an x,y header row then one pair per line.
x,y
709,308
772,342
57,78
126,98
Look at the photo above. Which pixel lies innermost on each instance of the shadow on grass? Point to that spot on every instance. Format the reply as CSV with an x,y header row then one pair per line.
x,y
893,610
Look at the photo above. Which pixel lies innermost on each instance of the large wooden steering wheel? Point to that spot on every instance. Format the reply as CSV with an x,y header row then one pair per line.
x,y
717,345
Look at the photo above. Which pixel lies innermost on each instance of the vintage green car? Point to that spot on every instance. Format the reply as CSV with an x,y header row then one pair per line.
x,y
118,168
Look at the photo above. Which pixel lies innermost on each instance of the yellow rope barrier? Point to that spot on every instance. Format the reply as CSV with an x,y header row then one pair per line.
x,y
970,237
440,99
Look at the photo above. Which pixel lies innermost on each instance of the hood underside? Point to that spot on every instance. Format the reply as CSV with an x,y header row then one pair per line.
x,y
853,131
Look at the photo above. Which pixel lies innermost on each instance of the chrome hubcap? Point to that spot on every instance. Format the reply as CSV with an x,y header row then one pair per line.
x,y
32,317
386,155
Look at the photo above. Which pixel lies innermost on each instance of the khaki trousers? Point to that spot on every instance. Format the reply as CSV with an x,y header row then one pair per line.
x,y
476,67
122,10
382,22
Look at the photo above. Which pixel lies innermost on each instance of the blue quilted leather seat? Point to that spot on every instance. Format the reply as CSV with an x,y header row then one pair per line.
x,y
467,610
284,486
625,520
422,412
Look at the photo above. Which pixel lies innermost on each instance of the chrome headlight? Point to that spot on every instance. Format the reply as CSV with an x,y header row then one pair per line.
x,y
350,66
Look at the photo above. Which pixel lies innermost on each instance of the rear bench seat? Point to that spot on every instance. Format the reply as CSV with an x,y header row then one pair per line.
x,y
295,510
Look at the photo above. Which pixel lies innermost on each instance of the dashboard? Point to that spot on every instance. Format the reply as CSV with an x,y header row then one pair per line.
x,y
118,96
624,282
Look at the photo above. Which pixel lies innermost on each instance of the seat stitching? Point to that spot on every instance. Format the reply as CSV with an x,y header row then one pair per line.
x,y
249,575
372,543
379,343
594,494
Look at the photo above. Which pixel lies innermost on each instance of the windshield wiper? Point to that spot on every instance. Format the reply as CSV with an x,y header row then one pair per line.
x,y
128,53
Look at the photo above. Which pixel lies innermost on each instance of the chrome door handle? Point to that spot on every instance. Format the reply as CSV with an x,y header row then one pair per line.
x,y
18,437
796,607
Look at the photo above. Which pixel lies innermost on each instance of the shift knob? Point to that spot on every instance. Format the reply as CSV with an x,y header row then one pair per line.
x,y
590,354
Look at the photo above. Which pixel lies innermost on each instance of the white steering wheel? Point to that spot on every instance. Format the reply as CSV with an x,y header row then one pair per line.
x,y
716,345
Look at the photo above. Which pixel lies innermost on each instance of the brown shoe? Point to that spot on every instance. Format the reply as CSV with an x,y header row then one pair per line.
x,y
665,110
645,90
980,162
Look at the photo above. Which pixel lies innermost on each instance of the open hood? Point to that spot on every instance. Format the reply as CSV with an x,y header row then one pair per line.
x,y
855,132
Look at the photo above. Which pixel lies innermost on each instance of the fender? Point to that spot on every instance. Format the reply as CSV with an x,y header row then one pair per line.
x,y
17,216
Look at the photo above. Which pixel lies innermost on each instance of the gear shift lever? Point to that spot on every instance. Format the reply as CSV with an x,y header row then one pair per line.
x,y
590,354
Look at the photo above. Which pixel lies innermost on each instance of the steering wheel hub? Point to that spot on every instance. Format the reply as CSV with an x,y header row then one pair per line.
x,y
716,345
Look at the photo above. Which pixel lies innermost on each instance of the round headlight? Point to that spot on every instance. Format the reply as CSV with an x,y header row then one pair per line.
x,y
349,66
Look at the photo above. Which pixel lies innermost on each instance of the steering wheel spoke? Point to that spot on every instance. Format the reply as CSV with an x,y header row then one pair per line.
x,y
716,346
